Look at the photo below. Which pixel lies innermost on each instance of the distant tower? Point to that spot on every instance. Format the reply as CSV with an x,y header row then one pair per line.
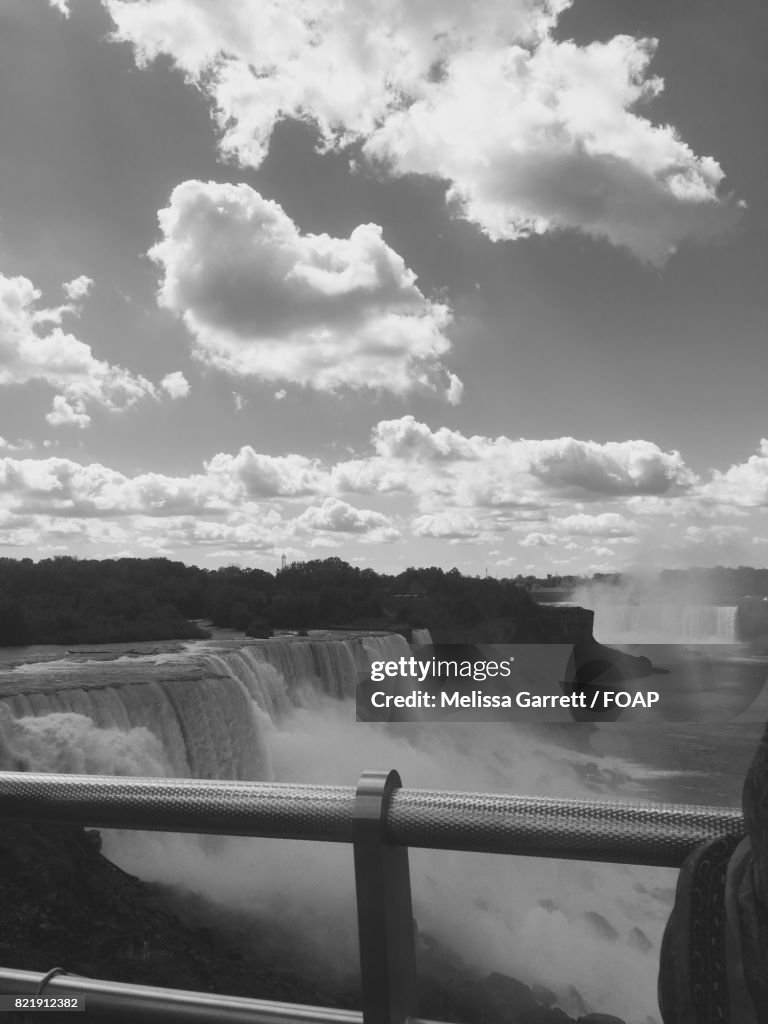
x,y
282,562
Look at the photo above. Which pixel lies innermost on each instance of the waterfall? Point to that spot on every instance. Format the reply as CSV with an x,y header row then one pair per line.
x,y
213,710
199,714
664,623
284,673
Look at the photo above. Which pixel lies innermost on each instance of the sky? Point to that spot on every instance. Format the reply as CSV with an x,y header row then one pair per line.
x,y
468,283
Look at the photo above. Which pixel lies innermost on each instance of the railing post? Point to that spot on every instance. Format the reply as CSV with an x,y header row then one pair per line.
x,y
384,912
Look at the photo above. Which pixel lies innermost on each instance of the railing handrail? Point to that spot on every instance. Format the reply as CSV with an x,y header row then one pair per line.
x,y
381,820
659,835
167,1004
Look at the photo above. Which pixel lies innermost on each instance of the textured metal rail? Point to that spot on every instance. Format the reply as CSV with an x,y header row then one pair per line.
x,y
660,835
181,805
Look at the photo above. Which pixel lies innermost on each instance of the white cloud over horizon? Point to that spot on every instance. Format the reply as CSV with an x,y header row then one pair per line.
x,y
447,467
261,299
531,134
431,485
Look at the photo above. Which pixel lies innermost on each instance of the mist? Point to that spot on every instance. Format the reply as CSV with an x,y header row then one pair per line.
x,y
644,609
555,923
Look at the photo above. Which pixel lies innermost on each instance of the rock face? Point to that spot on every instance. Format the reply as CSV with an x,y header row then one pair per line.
x,y
542,624
752,618
64,905
567,625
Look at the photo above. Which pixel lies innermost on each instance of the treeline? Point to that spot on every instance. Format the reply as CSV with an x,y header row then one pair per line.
x,y
66,600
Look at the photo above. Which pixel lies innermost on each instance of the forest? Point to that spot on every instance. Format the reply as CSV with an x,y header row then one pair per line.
x,y
66,600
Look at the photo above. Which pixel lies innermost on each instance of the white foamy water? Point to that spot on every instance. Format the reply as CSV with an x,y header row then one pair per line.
x,y
664,623
283,709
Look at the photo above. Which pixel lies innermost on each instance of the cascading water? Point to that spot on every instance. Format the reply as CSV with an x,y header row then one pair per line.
x,y
421,637
663,623
198,715
198,726
283,708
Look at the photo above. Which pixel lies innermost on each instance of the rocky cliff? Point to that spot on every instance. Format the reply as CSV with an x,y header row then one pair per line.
x,y
540,624
752,618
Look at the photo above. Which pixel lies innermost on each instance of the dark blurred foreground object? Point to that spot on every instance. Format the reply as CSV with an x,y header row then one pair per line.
x,y
714,957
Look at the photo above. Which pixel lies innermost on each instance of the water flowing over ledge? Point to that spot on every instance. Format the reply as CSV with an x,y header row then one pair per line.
x,y
197,714
664,623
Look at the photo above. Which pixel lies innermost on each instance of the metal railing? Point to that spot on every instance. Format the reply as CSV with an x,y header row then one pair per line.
x,y
381,820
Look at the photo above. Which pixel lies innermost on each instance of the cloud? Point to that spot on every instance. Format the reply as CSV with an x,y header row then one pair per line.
x,y
94,504
606,524
539,540
62,487
336,516
262,299
62,6
447,467
269,476
418,482
20,444
454,494
175,385
449,525
78,288
531,134
33,347
745,484
66,413
537,141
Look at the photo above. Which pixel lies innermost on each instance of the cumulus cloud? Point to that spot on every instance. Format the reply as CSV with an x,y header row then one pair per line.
x,y
59,498
744,484
606,524
338,516
539,540
531,134
446,466
62,6
175,384
78,288
262,299
34,347
65,413
437,484
63,487
269,476
454,524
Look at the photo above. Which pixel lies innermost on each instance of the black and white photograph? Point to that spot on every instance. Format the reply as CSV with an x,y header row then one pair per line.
x,y
383,511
